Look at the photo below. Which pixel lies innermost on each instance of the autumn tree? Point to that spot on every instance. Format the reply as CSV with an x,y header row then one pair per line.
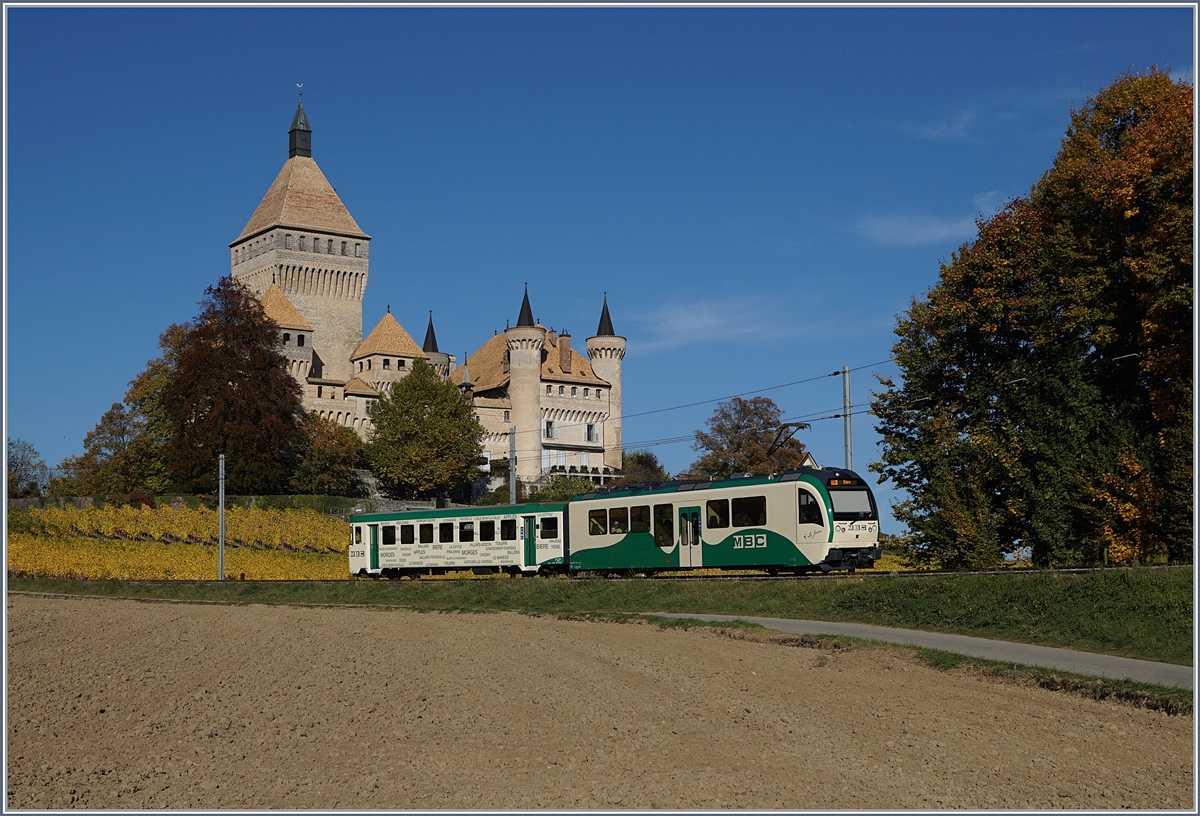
x,y
739,439
640,467
26,472
231,392
562,487
1045,396
426,441
126,452
326,456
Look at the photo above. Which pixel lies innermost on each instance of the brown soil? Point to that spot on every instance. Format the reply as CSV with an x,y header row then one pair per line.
x,y
119,704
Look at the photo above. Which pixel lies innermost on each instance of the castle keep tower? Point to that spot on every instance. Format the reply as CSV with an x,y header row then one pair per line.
x,y
303,240
606,351
524,343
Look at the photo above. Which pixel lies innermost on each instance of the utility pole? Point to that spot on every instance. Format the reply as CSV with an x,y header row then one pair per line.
x,y
221,518
512,465
846,417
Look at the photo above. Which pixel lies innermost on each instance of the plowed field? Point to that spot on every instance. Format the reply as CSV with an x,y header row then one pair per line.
x,y
119,704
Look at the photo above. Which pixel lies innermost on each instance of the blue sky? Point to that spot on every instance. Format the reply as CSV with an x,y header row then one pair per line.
x,y
759,191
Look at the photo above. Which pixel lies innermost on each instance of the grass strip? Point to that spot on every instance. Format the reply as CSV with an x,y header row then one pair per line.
x,y
1139,613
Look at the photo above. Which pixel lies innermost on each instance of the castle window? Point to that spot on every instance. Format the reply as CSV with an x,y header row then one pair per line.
x,y
319,392
549,433
360,365
548,390
343,247
506,416
573,390
356,255
368,365
561,390
286,338
589,433
287,242
329,247
585,393
386,363
302,242
583,459
597,393
399,364
300,340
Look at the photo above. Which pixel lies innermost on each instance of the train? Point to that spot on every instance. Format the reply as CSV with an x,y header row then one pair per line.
x,y
800,521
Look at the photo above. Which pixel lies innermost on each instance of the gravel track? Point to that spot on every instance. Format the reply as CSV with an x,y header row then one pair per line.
x,y
120,704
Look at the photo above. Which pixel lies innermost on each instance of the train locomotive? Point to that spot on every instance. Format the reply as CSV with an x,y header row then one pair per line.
x,y
804,520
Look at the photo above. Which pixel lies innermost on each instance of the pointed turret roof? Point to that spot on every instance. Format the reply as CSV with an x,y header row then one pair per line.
x,y
388,337
277,306
303,199
300,121
430,344
606,327
526,316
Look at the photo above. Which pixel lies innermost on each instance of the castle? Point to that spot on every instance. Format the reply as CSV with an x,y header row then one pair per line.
x,y
307,260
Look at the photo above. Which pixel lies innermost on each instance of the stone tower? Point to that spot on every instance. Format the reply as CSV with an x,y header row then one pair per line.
x,y
606,351
303,240
524,343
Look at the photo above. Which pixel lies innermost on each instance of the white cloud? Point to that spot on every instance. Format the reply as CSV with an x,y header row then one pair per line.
x,y
703,321
909,230
956,128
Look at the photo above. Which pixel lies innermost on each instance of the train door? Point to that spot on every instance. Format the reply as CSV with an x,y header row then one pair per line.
x,y
810,520
689,537
531,541
374,545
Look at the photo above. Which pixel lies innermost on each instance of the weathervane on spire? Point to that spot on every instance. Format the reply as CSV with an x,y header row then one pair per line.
x,y
300,85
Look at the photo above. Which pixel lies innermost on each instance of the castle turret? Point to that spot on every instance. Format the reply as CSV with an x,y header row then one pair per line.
x,y
524,343
606,351
439,360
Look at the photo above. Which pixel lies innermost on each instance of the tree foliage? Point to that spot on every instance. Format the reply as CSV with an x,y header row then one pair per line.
x,y
326,456
562,487
739,439
1046,378
27,473
640,467
231,393
427,439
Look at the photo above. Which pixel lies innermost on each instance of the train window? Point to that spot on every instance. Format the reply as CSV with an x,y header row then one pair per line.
x,y
549,527
718,514
597,522
426,533
750,511
406,534
487,531
639,519
358,535
466,531
618,520
664,525
508,529
810,511
389,535
849,505
446,532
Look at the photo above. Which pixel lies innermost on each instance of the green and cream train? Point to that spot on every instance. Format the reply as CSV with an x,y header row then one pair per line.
x,y
805,520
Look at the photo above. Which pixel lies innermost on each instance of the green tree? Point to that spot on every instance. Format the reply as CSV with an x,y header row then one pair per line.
x,y
27,473
739,439
426,442
326,456
1044,399
640,467
230,392
561,488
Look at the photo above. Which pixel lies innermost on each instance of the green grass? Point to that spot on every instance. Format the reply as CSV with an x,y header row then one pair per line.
x,y
1140,613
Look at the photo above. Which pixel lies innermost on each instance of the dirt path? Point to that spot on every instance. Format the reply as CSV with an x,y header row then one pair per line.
x,y
118,704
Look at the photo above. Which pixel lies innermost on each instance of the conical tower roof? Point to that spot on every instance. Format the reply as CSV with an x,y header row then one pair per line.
x,y
430,344
303,199
300,121
526,316
388,337
277,306
605,328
